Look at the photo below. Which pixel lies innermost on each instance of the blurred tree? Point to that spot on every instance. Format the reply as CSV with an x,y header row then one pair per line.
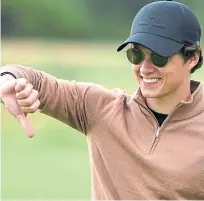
x,y
48,17
90,19
9,25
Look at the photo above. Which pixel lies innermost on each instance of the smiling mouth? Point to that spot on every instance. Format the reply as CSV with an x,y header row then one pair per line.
x,y
150,80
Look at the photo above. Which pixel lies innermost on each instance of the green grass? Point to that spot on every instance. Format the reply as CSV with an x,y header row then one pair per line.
x,y
55,163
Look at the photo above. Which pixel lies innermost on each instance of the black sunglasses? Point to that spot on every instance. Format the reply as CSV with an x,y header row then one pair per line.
x,y
136,56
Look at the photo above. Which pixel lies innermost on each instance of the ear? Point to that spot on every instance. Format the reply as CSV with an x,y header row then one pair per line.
x,y
193,61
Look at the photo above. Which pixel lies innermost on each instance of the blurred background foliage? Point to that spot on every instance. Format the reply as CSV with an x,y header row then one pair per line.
x,y
78,19
70,39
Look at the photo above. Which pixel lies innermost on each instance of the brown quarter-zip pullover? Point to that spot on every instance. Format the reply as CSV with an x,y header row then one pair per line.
x,y
131,156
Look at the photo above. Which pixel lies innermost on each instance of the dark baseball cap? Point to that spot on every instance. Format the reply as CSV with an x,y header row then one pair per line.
x,y
164,27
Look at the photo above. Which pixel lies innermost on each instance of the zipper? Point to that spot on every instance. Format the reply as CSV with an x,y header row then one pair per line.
x,y
158,127
168,117
158,131
156,139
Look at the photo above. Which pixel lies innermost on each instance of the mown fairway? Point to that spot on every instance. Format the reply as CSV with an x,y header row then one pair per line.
x,y
55,163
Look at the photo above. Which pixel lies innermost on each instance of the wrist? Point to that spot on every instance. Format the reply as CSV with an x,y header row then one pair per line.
x,y
6,77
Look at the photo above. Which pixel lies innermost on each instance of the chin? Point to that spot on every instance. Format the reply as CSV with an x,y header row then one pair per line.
x,y
150,94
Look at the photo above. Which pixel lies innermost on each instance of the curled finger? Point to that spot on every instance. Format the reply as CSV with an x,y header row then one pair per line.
x,y
26,92
32,108
20,84
29,100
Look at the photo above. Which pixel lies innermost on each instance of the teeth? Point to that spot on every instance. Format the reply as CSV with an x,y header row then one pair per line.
x,y
150,80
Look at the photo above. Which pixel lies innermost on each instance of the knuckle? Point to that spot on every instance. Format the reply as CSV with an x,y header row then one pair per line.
x,y
22,81
38,103
28,102
36,93
30,86
20,84
23,94
32,108
25,102
21,102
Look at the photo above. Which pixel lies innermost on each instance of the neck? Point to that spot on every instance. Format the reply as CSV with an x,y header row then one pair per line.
x,y
167,103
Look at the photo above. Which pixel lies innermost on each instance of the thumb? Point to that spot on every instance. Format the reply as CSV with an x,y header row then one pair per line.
x,y
13,107
25,124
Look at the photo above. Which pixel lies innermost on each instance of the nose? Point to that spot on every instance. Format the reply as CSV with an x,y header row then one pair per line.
x,y
147,67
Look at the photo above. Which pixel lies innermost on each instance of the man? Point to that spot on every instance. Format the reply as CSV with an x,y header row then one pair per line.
x,y
146,146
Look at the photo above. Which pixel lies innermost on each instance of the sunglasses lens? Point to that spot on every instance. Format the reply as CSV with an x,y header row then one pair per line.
x,y
158,60
135,56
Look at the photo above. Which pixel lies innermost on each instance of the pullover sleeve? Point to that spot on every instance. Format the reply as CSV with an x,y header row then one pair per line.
x,y
76,104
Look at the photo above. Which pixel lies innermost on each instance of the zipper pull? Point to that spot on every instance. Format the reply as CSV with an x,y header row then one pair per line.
x,y
158,132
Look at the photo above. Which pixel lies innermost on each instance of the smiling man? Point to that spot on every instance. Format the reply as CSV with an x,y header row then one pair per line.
x,y
146,146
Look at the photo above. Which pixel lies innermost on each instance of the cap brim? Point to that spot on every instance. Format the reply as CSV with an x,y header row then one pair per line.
x,y
158,44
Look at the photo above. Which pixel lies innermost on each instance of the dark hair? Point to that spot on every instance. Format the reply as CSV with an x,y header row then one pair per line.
x,y
189,51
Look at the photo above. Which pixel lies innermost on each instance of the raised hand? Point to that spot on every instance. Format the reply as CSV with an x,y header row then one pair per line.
x,y
19,98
